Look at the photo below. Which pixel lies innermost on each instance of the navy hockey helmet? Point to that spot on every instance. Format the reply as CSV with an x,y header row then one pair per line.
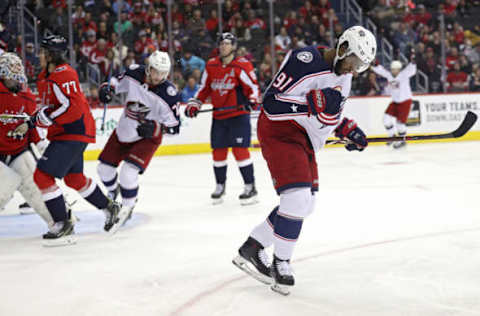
x,y
227,36
55,43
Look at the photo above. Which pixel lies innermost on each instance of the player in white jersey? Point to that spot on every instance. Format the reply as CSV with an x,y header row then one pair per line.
x,y
301,108
396,115
151,110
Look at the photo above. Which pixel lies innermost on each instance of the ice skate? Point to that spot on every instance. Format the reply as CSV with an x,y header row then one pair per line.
x,y
25,209
123,215
111,215
249,195
399,144
217,195
253,260
282,275
61,234
114,194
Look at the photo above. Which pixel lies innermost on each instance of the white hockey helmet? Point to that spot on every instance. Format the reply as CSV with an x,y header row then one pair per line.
x,y
160,61
362,43
11,68
396,65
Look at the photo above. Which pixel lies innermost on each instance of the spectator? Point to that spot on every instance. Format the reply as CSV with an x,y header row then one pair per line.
x,y
465,65
241,31
382,14
475,81
190,89
92,97
283,40
87,23
103,32
125,7
98,53
403,38
89,45
472,53
254,22
212,23
370,86
124,25
79,15
58,21
422,16
205,44
243,52
141,45
452,58
190,62
457,80
197,23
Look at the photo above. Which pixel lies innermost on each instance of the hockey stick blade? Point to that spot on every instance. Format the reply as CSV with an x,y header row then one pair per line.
x,y
466,125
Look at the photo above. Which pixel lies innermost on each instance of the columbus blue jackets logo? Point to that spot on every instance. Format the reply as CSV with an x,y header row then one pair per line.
x,y
171,91
305,57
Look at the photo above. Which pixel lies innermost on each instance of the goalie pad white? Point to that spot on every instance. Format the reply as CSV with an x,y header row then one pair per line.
x,y
25,165
10,182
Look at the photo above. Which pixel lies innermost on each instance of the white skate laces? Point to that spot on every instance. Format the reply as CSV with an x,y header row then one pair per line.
x,y
262,255
284,268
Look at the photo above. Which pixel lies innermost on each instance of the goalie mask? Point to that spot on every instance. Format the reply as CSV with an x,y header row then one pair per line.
x,y
360,43
12,72
158,67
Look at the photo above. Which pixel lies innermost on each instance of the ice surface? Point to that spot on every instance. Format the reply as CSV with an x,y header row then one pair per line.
x,y
394,233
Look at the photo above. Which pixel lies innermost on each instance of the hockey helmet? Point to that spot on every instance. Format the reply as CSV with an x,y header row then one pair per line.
x,y
362,43
11,68
227,36
55,43
396,65
160,61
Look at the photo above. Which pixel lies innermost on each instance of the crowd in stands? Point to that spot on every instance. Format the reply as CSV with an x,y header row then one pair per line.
x,y
141,26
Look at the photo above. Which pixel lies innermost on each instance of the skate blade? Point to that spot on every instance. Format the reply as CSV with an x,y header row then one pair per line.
x,y
123,216
60,242
250,201
281,289
217,201
26,211
244,265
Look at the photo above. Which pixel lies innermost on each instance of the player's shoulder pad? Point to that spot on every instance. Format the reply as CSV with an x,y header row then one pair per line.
x,y
168,92
136,72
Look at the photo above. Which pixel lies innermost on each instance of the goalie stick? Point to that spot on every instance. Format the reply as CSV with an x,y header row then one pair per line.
x,y
22,116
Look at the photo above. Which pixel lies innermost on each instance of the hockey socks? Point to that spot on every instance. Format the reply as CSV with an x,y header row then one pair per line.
x,y
220,172
94,195
286,232
263,232
129,196
56,205
247,172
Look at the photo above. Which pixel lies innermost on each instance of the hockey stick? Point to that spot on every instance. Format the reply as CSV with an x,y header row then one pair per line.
x,y
102,128
22,116
226,108
465,126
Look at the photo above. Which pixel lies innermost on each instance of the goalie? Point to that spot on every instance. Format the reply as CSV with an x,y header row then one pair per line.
x,y
17,163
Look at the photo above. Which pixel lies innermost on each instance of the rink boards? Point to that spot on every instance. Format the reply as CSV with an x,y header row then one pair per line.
x,y
431,113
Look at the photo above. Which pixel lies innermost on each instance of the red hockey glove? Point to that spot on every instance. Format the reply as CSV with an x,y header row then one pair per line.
x,y
326,105
348,129
193,106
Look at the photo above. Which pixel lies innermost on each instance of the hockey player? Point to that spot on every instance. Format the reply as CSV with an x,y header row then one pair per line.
x,y
231,84
151,110
396,115
71,128
301,108
17,163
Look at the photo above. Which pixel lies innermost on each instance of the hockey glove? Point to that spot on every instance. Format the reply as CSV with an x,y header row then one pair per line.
x,y
105,93
42,119
326,105
193,106
348,129
148,129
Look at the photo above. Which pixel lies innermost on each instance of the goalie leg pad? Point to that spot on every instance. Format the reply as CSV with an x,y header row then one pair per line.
x,y
24,165
11,182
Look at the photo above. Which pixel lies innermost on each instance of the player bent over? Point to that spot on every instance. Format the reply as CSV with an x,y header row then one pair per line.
x,y
17,163
231,84
301,108
151,109
396,115
71,128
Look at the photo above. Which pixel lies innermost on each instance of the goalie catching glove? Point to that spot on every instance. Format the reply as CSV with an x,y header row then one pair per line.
x,y
349,129
326,105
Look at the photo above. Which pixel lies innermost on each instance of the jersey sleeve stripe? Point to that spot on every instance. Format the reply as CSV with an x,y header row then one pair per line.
x,y
328,120
62,98
249,82
203,83
290,99
317,74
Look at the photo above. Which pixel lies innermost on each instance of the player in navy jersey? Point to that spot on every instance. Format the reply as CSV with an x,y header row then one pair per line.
x,y
302,107
151,110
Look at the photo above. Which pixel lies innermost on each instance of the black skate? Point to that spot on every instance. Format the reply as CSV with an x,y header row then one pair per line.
x,y
217,195
25,209
249,195
281,273
253,260
124,214
61,234
111,215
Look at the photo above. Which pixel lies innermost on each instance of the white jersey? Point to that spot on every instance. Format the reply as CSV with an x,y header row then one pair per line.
x,y
162,102
398,87
285,99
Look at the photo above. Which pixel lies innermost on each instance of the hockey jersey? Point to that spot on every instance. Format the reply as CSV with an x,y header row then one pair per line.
x,y
228,86
162,101
68,107
303,70
11,103
398,87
